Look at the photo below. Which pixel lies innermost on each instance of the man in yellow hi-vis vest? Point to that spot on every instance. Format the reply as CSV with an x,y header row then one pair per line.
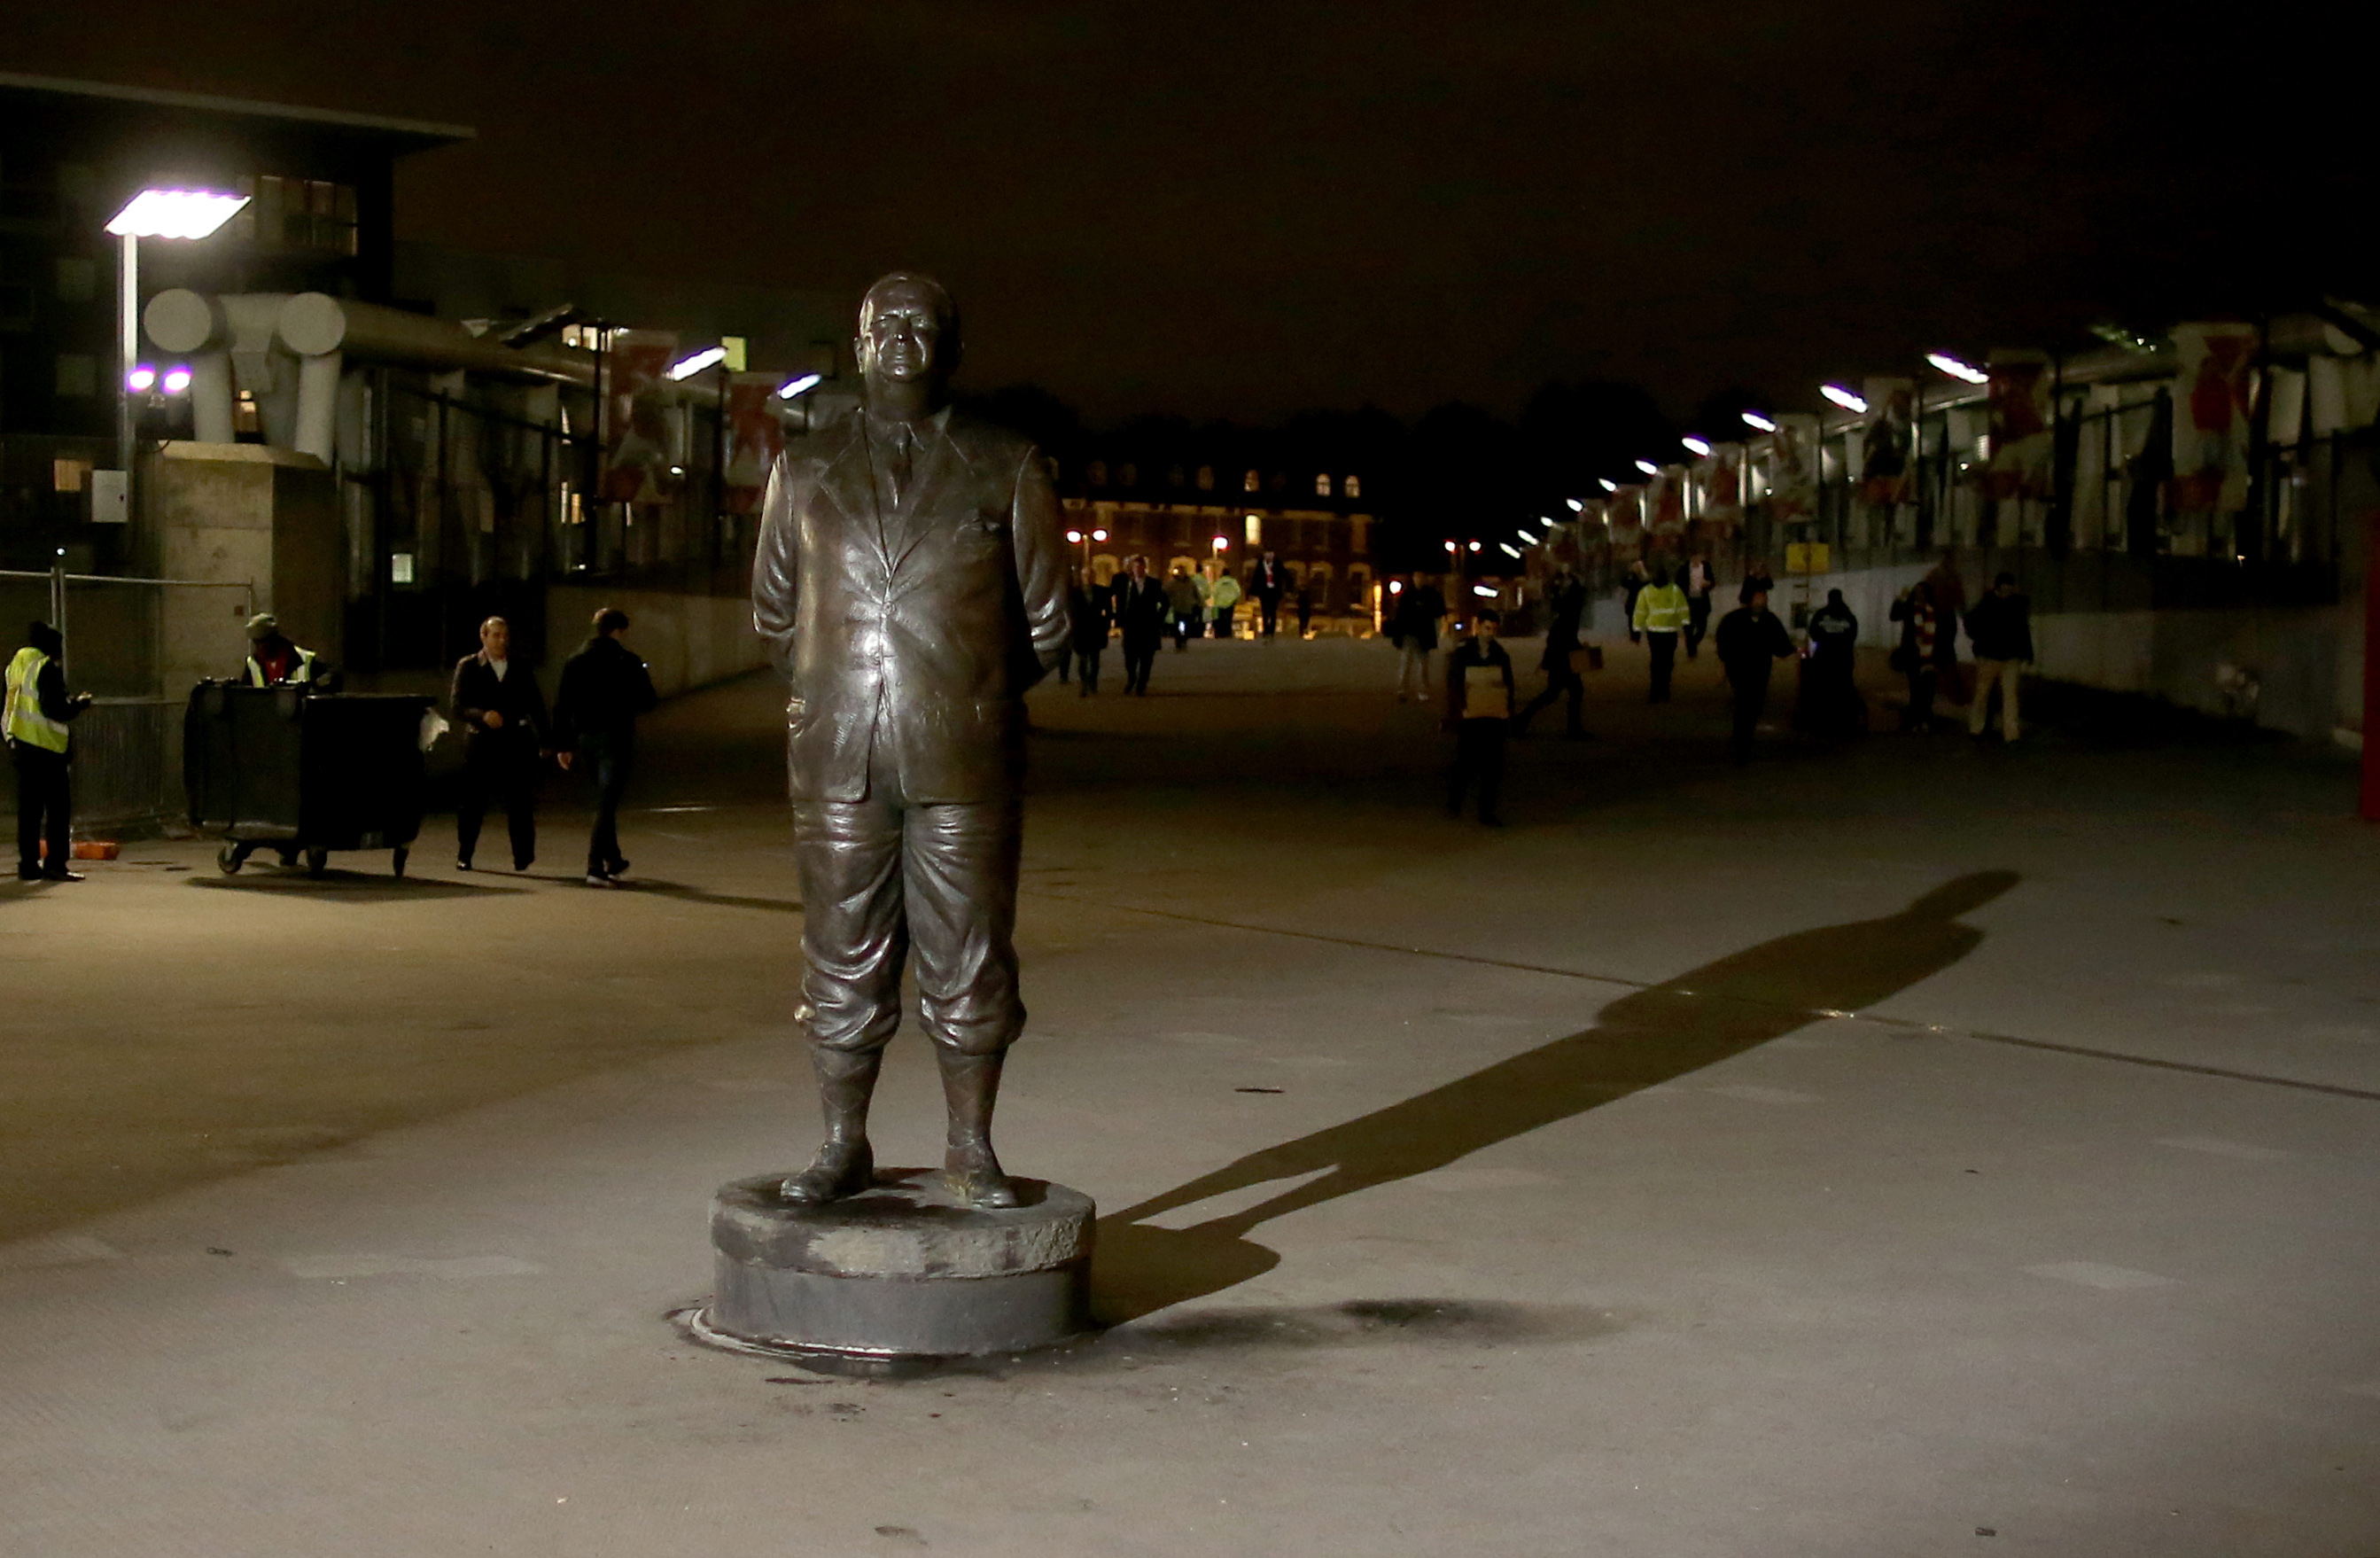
x,y
1661,613
33,719
272,660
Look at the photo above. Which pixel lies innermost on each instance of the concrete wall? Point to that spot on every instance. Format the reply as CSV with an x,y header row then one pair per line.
x,y
242,513
689,640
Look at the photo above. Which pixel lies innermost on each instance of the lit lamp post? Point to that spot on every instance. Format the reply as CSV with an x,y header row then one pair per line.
x,y
1084,539
152,214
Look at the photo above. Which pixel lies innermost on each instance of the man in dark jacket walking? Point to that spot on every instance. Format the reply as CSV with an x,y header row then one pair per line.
x,y
1749,641
505,734
2000,629
1566,605
604,687
1141,607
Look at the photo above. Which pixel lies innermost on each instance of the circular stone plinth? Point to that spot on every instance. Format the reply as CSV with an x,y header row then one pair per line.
x,y
902,1269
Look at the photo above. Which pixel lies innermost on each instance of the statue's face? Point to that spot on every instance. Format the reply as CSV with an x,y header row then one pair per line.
x,y
901,330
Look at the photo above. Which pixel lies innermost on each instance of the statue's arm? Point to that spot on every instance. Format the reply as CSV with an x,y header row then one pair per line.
x,y
1041,558
776,569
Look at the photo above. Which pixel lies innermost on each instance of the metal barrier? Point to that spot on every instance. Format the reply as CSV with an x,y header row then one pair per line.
x,y
123,761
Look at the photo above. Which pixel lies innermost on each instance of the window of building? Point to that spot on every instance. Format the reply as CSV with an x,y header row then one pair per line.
x,y
244,416
1173,476
1097,473
1255,529
1354,489
301,213
77,375
1252,482
1206,478
1322,486
1129,475
68,475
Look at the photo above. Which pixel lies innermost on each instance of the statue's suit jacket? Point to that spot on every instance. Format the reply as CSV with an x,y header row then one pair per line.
x,y
912,631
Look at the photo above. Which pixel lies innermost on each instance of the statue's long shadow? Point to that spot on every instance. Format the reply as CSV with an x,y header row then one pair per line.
x,y
1638,1042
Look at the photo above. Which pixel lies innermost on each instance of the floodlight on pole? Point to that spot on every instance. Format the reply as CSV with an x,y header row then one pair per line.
x,y
1844,398
1758,422
177,380
1474,546
1648,468
1074,538
152,214
1526,537
1450,546
1222,543
801,385
1696,446
1946,363
175,214
1489,590
1577,505
1099,535
142,379
686,367
1609,485
1509,548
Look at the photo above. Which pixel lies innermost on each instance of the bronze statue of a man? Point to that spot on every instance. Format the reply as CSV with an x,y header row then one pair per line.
x,y
911,581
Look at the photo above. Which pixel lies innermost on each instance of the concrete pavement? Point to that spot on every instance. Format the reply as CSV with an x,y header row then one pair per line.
x,y
1855,1154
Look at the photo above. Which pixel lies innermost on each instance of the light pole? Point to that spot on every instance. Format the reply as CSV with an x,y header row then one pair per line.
x,y
1084,539
152,214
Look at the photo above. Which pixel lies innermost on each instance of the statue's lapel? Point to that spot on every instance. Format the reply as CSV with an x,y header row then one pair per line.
x,y
941,466
848,480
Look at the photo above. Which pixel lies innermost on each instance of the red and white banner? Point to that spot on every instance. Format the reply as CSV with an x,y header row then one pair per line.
x,y
2023,450
755,437
1793,467
1719,486
1665,505
2214,390
635,420
1626,515
1888,442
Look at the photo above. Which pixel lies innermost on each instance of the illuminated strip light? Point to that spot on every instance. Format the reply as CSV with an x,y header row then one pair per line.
x,y
1957,368
709,357
1844,398
1577,505
1754,420
1698,446
802,385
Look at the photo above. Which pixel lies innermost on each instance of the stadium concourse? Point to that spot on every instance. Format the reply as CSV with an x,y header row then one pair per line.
x,y
1906,1145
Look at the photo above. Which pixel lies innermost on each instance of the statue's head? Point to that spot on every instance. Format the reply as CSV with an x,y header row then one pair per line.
x,y
908,335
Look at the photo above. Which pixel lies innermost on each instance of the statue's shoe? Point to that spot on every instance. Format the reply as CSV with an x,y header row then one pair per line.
x,y
839,1170
975,1177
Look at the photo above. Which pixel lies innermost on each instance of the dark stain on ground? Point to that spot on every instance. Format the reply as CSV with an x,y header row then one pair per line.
x,y
348,887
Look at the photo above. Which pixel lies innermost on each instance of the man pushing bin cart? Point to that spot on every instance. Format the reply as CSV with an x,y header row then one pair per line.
x,y
304,774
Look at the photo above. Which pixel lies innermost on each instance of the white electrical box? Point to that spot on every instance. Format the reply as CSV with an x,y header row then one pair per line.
x,y
110,498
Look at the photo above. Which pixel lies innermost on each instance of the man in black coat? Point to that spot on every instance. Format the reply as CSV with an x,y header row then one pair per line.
x,y
1749,641
2000,629
1266,581
1140,609
1566,605
505,734
605,687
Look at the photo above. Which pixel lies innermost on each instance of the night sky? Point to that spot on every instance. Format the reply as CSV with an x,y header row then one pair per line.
x,y
1242,210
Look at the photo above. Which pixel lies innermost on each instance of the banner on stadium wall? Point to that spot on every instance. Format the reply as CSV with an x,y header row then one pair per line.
x,y
2213,392
636,419
2023,449
1888,442
1626,515
1719,486
755,437
1793,467
1665,504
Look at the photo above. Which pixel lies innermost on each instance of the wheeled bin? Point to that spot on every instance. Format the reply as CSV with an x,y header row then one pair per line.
x,y
303,773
